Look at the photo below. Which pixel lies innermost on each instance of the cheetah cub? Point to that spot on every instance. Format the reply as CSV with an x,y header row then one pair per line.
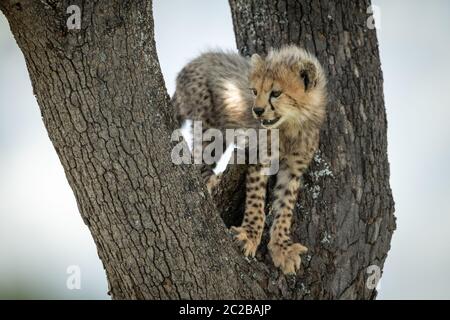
x,y
286,90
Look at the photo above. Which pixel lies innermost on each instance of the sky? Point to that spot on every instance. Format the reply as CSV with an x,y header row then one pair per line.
x,y
42,234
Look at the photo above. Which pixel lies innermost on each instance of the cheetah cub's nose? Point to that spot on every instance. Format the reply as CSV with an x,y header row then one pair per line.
x,y
258,111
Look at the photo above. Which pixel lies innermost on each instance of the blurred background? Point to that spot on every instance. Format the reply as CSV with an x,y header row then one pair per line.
x,y
41,231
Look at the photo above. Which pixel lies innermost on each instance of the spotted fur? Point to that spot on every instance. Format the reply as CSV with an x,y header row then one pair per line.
x,y
285,90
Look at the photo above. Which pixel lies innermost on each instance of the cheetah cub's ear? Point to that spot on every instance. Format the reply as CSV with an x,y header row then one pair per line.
x,y
256,61
308,74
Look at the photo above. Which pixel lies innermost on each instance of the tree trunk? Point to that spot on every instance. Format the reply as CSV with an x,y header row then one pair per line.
x,y
158,233
104,104
345,211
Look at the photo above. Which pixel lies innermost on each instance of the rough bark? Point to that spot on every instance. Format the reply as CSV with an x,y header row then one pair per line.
x,y
104,104
158,233
345,211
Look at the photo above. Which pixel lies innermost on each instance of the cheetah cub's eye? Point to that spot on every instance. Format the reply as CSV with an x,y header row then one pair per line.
x,y
255,92
275,94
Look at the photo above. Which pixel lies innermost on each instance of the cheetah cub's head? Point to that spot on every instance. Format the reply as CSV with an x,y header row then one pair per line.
x,y
289,88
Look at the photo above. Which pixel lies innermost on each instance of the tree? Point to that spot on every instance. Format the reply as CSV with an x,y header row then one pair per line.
x,y
158,232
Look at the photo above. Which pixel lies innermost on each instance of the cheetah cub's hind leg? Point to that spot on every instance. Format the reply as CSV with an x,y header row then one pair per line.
x,y
248,235
209,177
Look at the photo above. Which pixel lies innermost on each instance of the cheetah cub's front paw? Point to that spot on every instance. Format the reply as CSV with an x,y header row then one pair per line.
x,y
247,240
287,256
